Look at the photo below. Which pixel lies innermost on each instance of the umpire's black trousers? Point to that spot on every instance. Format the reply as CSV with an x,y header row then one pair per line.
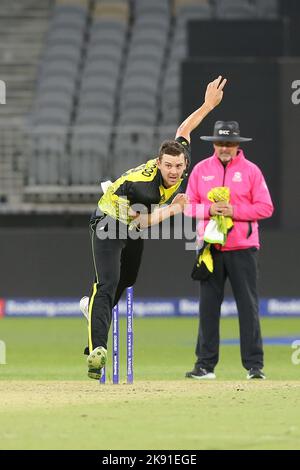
x,y
116,263
241,267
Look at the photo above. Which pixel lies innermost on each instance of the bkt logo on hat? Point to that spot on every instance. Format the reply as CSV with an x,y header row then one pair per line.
x,y
228,129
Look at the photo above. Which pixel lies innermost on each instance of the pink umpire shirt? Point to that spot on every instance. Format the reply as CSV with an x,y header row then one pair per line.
x,y
249,196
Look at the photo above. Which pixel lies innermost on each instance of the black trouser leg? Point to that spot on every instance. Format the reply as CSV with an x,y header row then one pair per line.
x,y
241,266
211,298
116,263
107,255
131,258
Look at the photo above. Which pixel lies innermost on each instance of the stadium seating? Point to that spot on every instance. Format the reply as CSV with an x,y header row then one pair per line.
x,y
108,81
90,146
23,24
192,9
235,9
91,138
134,145
267,9
60,63
184,10
140,87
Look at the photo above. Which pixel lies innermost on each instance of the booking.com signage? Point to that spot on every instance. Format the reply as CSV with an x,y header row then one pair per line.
x,y
143,307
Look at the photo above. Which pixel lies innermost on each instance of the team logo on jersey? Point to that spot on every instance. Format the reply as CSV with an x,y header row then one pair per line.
x,y
149,170
208,178
237,177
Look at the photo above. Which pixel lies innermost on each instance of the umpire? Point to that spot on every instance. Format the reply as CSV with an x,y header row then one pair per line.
x,y
237,258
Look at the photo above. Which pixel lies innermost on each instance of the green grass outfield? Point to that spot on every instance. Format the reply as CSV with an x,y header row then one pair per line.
x,y
47,402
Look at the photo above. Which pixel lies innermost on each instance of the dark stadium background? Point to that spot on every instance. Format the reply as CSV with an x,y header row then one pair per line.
x,y
44,241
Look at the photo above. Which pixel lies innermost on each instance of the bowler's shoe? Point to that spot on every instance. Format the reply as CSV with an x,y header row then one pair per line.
x,y
96,361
